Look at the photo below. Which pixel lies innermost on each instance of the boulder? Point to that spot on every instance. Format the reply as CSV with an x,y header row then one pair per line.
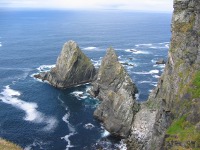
x,y
127,64
116,90
72,68
160,61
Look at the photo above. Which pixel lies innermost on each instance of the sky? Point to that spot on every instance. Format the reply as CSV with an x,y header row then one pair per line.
x,y
134,5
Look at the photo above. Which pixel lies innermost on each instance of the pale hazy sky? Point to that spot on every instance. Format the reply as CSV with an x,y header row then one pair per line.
x,y
138,5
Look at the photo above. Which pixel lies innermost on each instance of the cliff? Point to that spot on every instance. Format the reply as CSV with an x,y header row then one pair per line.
x,y
115,89
174,106
72,68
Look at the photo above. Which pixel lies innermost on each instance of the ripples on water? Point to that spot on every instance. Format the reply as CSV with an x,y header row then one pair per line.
x,y
36,115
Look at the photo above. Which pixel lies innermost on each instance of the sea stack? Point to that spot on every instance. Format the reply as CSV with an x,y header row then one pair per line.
x,y
72,68
114,87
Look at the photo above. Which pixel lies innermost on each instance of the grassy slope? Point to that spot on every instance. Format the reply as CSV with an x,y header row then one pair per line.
x,y
6,145
182,132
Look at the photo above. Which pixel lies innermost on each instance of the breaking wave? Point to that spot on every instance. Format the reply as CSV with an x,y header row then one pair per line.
x,y
45,68
134,51
150,72
11,97
163,45
90,48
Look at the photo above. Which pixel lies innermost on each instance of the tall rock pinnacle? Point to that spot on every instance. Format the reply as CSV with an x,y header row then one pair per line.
x,y
72,68
117,92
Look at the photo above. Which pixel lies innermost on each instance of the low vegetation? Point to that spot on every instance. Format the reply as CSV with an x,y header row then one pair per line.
x,y
195,87
182,135
6,145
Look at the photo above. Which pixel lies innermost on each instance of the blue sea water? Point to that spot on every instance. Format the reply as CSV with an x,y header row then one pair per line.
x,y
36,115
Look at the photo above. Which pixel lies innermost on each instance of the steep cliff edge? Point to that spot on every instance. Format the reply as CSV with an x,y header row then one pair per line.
x,y
174,106
116,90
72,68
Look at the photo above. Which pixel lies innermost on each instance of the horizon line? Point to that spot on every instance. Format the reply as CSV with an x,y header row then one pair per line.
x,y
84,9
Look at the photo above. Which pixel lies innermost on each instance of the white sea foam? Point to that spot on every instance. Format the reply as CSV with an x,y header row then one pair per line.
x,y
97,63
45,68
141,82
88,89
66,138
167,45
153,61
121,146
36,143
89,126
150,72
32,76
159,66
154,71
162,45
10,96
137,96
0,44
158,47
119,57
80,95
71,130
138,45
105,133
154,84
65,119
150,91
134,51
90,48
156,76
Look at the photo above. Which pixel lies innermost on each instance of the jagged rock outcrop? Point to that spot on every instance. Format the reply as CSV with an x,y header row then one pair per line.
x,y
174,106
116,90
72,68
160,61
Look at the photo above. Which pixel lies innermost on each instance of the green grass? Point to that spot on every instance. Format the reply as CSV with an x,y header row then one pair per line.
x,y
177,126
195,90
192,88
181,131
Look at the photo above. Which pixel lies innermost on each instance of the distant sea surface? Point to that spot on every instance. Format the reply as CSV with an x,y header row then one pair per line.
x,y
34,114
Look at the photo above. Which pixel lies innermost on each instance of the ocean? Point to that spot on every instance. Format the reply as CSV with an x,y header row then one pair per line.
x,y
36,115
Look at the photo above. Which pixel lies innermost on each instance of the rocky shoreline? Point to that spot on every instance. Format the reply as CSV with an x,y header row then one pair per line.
x,y
170,117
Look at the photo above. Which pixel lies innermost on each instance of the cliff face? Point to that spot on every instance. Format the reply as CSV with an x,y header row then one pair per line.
x,y
174,105
72,68
115,88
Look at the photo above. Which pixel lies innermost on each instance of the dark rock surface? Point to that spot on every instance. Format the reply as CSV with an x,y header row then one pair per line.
x,y
160,61
116,90
127,64
72,68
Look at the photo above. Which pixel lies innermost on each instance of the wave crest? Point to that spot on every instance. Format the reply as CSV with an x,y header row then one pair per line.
x,y
10,96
